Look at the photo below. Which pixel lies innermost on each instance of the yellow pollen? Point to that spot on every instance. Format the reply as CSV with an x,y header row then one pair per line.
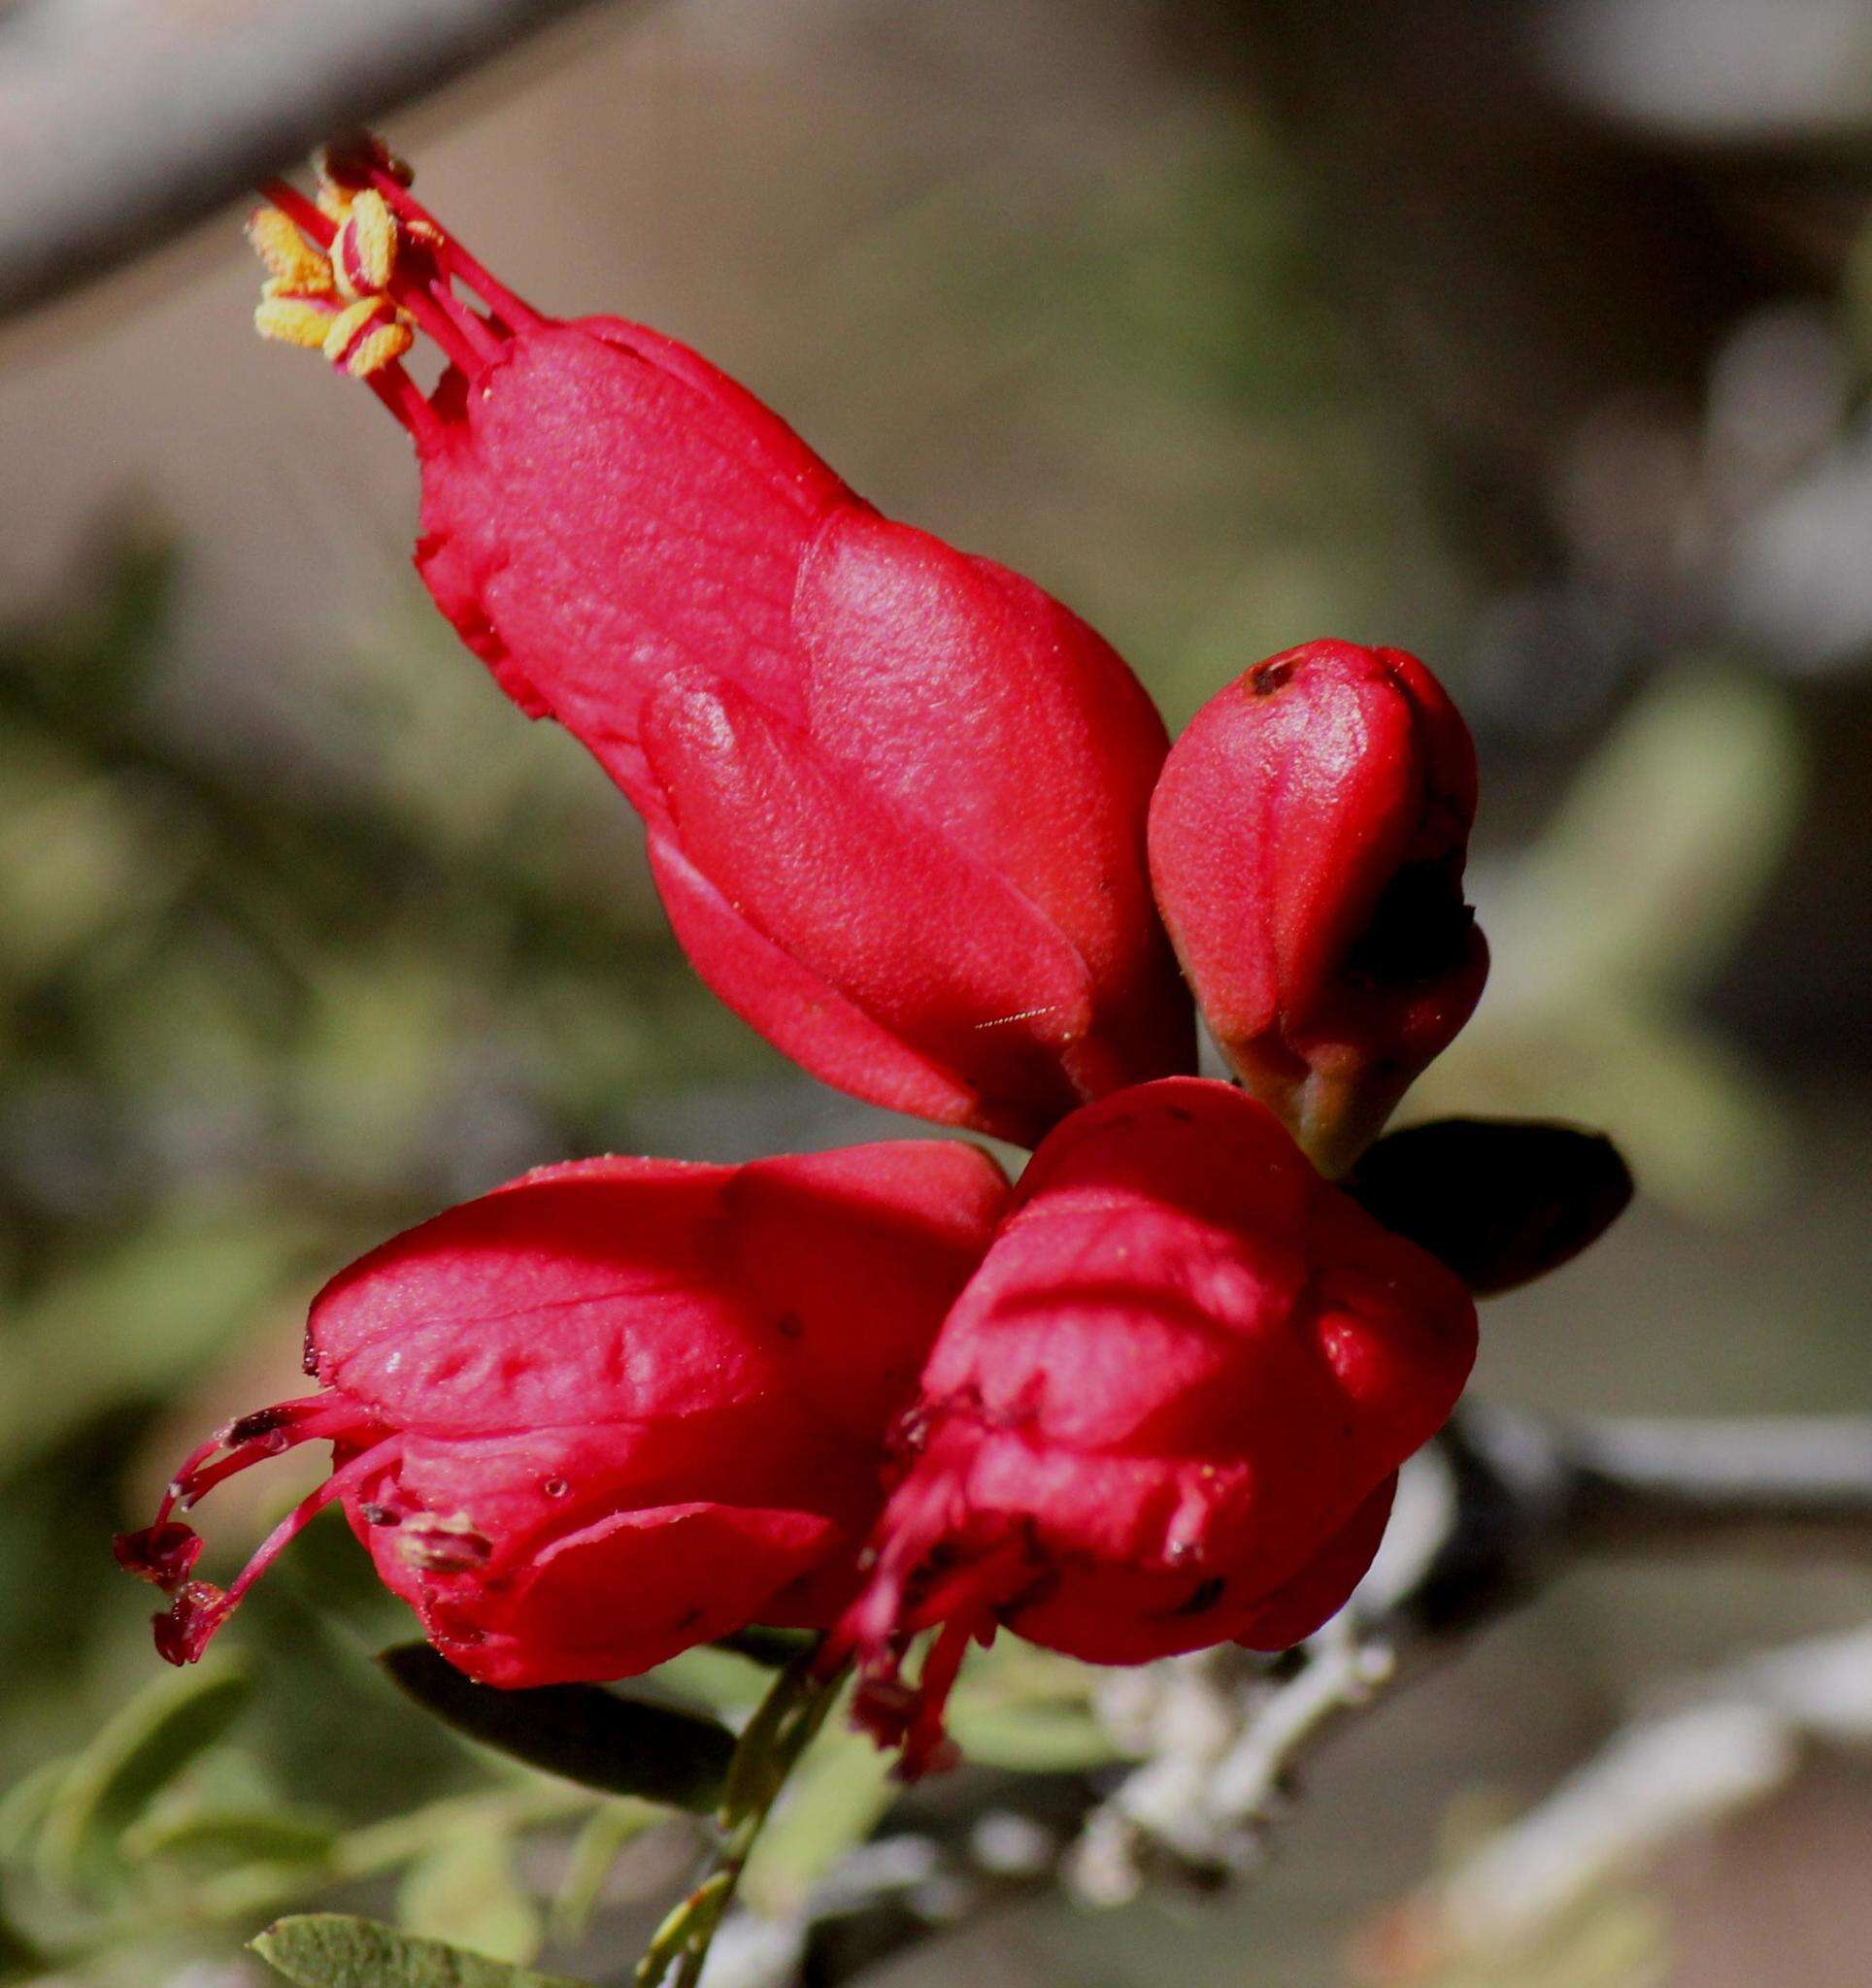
x,y
290,259
336,301
365,335
364,254
293,320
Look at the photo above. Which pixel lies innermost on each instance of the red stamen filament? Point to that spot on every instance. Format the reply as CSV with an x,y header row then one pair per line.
x,y
455,260
185,1628
284,1426
301,212
371,1463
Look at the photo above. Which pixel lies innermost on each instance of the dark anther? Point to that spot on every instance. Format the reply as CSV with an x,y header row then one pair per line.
x,y
253,1428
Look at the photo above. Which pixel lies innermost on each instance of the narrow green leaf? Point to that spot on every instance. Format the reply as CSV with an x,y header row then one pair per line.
x,y
24,1805
232,1836
596,1849
837,1795
159,1733
331,1950
580,1732
687,1930
464,1886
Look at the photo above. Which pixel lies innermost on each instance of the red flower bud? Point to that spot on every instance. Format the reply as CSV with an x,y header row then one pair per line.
x,y
895,794
615,1408
1167,1410
1307,845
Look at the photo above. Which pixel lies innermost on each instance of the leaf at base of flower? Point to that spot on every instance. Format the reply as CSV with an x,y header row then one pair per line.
x,y
579,1732
1500,1201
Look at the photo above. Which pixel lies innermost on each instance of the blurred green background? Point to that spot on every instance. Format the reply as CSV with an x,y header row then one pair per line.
x,y
1533,336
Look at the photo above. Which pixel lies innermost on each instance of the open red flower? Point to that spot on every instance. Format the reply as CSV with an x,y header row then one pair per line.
x,y
1308,839
895,794
615,1408
1166,1412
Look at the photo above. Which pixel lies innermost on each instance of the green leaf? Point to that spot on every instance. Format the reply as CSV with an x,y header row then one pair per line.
x,y
580,1732
232,1836
159,1733
331,1950
837,1795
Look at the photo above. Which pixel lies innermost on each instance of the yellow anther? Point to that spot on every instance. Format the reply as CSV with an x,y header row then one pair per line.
x,y
334,202
364,253
291,317
365,335
290,259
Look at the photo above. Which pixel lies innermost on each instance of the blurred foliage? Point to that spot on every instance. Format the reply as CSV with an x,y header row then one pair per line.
x,y
252,1018
1614,1934
1606,930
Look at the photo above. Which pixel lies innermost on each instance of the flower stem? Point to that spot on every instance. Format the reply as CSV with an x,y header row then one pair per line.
x,y
770,1747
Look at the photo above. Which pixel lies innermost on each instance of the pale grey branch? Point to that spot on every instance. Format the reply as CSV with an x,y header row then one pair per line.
x,y
121,122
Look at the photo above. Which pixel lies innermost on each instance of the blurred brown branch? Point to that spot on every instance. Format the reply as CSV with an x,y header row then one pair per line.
x,y
121,122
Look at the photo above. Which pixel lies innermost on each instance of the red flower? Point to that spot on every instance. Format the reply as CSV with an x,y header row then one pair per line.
x,y
895,794
1167,1410
1307,845
615,1408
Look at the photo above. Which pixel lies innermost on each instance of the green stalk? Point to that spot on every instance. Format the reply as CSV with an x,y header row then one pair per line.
x,y
770,1747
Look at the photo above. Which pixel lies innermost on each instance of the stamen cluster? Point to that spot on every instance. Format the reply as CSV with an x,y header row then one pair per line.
x,y
335,297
